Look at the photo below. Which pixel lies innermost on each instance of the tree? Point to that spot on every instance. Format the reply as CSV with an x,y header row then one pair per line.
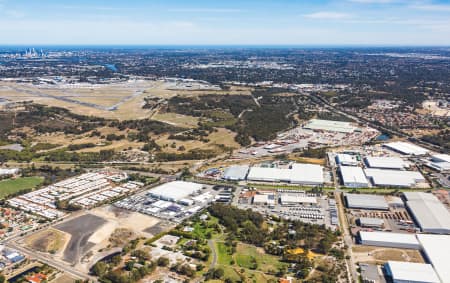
x,y
100,269
163,261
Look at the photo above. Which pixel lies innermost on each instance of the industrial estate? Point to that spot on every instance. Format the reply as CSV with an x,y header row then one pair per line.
x,y
224,165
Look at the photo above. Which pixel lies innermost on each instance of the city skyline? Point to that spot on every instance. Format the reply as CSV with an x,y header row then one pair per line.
x,y
349,22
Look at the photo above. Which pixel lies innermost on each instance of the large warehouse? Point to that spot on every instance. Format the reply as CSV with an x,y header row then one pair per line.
x,y
390,240
436,249
346,159
394,178
236,173
410,272
385,162
429,213
331,126
363,201
175,191
305,174
353,177
406,148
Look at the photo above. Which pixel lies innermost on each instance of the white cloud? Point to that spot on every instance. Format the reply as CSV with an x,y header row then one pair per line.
x,y
432,7
205,10
324,15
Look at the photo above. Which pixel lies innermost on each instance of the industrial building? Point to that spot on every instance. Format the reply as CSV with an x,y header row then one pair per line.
x,y
368,222
386,162
264,199
353,177
175,191
394,178
410,272
295,199
331,126
436,249
406,148
346,159
9,171
365,201
428,212
305,174
390,240
440,162
440,158
236,173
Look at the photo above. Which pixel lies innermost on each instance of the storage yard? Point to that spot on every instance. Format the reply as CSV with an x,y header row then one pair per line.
x,y
292,205
86,190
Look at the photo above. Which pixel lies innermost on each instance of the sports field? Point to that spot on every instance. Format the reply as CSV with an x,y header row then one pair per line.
x,y
12,186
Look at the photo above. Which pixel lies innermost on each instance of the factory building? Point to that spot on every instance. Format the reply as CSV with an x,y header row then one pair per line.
x,y
410,272
436,249
395,163
305,174
364,201
346,159
175,191
368,222
406,148
295,199
389,240
394,178
353,177
331,126
264,199
236,173
428,212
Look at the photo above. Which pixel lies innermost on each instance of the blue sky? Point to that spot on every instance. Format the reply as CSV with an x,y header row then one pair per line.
x,y
230,22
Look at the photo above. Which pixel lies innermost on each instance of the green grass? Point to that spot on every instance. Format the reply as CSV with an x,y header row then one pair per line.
x,y
223,257
265,261
11,186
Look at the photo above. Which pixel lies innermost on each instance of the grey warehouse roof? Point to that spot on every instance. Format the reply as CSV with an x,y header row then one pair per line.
x,y
366,201
236,172
431,214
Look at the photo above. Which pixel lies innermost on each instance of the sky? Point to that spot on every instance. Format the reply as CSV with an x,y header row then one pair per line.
x,y
225,22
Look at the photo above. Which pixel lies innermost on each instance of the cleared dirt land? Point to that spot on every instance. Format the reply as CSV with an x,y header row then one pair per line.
x,y
50,241
378,255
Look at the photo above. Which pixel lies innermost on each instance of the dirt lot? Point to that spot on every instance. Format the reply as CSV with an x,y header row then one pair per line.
x,y
378,255
50,240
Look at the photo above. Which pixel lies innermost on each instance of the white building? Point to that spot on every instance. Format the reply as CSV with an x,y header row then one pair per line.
x,y
346,159
353,177
386,162
440,158
9,171
236,173
411,272
306,174
406,148
394,178
175,191
428,212
365,201
436,249
331,126
390,240
295,199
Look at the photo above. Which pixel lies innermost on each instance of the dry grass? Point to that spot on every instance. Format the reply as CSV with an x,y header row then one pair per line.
x,y
379,255
50,240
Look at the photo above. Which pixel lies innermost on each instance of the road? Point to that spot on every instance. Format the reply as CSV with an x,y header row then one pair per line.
x,y
214,254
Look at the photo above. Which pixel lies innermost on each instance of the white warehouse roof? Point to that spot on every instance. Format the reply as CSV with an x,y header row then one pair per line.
x,y
236,173
332,126
365,201
346,159
394,178
429,213
386,162
407,148
437,251
388,239
353,176
411,272
310,174
441,158
175,191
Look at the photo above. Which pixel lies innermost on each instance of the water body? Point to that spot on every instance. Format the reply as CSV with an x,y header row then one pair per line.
x,y
383,137
111,67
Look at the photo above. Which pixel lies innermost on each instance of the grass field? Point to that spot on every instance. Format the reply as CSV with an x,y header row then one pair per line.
x,y
12,186
49,240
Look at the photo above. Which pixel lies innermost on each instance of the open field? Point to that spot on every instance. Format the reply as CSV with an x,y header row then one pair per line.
x,y
49,241
378,255
12,186
178,120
